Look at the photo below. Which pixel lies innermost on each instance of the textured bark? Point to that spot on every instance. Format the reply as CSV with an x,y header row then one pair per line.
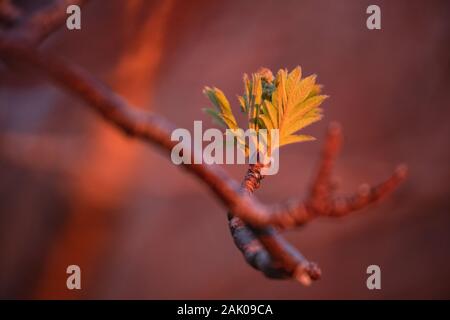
x,y
264,248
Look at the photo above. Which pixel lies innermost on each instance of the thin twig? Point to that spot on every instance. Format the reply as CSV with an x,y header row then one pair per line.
x,y
322,201
367,195
320,190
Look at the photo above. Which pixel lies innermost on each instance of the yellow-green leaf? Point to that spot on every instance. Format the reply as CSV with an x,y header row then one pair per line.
x,y
311,117
272,112
293,80
295,139
307,105
222,105
267,122
215,115
288,103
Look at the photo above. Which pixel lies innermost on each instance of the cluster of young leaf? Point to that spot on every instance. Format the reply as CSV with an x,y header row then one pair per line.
x,y
287,103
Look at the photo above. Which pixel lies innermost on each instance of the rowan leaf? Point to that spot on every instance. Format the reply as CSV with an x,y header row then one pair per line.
x,y
311,117
297,138
219,100
271,112
302,109
266,122
294,104
287,102
216,116
293,80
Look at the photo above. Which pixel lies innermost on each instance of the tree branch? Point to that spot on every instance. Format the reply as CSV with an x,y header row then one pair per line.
x,y
264,248
252,224
367,195
43,23
321,188
132,121
9,13
322,201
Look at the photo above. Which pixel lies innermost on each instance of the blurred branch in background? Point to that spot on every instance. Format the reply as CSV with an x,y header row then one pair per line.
x,y
60,152
35,29
9,13
140,60
134,77
252,219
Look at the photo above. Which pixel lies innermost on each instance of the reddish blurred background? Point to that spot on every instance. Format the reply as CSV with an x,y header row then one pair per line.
x,y
73,190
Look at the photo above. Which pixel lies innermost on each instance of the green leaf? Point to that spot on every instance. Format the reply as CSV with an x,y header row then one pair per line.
x,y
317,89
266,121
294,105
242,103
293,80
271,112
222,105
288,103
303,89
311,117
216,116
306,106
297,138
